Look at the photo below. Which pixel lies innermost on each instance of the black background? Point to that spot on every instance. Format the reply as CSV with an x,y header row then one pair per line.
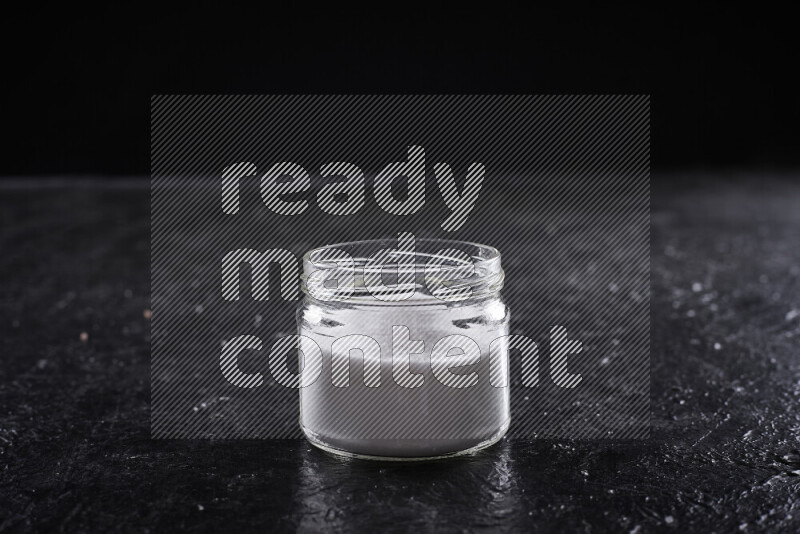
x,y
78,84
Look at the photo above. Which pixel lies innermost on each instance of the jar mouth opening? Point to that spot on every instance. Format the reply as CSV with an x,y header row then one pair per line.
x,y
402,269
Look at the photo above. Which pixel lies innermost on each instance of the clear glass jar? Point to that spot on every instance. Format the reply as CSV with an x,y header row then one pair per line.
x,y
414,353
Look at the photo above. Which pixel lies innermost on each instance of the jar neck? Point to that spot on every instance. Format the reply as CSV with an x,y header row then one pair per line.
x,y
434,271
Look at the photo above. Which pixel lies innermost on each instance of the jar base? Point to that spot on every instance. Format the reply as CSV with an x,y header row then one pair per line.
x,y
403,450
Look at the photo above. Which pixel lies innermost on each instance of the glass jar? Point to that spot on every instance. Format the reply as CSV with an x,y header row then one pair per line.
x,y
413,336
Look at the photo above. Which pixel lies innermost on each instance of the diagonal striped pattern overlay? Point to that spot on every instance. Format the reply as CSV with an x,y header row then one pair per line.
x,y
559,184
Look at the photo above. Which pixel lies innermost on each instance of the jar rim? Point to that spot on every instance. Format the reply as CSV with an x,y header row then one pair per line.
x,y
491,252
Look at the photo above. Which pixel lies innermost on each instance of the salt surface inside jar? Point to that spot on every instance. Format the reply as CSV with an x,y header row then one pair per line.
x,y
414,353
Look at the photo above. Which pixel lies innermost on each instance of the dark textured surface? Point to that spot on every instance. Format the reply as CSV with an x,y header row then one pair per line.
x,y
724,453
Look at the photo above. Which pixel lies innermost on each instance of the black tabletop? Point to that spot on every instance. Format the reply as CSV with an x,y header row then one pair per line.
x,y
723,452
